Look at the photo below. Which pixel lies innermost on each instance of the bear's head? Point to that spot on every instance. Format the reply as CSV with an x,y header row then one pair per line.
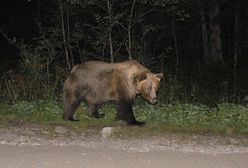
x,y
148,86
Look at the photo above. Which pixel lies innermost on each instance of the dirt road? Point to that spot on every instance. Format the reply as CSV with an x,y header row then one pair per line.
x,y
79,157
31,146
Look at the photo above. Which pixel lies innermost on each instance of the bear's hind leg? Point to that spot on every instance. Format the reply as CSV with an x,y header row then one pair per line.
x,y
93,111
125,112
70,106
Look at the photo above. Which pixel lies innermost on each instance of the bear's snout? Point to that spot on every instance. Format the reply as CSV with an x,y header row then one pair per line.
x,y
153,100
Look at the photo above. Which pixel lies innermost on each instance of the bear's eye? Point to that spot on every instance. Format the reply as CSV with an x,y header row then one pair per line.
x,y
157,88
149,88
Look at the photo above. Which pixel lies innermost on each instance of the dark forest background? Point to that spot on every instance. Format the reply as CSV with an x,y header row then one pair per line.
x,y
200,45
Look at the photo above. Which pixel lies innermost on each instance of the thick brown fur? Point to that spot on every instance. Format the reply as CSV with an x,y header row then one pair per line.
x,y
98,82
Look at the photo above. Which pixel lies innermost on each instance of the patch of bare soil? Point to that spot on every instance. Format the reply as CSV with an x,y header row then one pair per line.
x,y
20,134
56,146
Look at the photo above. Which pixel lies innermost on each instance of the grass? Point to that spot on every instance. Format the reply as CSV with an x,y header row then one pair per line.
x,y
229,118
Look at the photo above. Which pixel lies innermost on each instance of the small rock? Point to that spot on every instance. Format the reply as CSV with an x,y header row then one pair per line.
x,y
35,129
61,130
29,132
234,141
73,134
45,132
107,132
3,142
230,131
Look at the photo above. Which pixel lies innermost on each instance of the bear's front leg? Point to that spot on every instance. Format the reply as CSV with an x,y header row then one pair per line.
x,y
125,112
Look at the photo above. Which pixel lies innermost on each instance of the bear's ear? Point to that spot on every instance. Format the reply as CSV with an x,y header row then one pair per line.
x,y
142,76
139,78
159,75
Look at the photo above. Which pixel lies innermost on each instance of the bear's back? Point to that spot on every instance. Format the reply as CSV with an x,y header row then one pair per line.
x,y
92,68
94,78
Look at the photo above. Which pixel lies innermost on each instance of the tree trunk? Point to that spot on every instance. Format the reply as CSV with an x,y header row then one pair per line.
x,y
38,10
110,33
175,44
162,69
64,34
236,48
215,42
68,35
129,31
205,43
147,52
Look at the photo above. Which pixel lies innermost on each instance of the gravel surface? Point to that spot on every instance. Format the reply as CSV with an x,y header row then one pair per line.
x,y
34,146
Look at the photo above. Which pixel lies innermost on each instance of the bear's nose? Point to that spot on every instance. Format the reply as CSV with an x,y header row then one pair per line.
x,y
154,100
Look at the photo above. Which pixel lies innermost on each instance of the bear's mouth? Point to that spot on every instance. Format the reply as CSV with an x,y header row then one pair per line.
x,y
153,100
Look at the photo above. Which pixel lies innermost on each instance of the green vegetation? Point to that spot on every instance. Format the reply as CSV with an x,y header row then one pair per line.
x,y
228,118
200,46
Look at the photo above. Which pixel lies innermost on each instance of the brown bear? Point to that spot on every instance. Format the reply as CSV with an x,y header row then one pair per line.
x,y
97,82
